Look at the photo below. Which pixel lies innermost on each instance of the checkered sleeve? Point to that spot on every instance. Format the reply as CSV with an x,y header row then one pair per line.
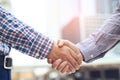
x,y
22,37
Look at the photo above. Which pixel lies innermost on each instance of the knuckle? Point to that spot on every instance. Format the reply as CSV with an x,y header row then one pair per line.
x,y
66,41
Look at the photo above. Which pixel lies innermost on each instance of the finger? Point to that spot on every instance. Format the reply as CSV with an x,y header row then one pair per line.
x,y
75,49
62,66
68,70
60,43
80,59
65,70
76,57
70,45
72,60
72,64
56,63
71,69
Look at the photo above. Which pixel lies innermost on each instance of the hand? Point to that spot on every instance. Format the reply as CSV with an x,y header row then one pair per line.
x,y
64,54
61,65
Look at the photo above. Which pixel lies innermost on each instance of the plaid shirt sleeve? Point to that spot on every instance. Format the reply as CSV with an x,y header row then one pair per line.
x,y
22,37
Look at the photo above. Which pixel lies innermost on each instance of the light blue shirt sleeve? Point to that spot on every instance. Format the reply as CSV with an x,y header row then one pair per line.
x,y
105,38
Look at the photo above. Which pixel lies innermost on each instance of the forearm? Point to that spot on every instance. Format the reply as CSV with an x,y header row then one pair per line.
x,y
98,43
22,37
92,50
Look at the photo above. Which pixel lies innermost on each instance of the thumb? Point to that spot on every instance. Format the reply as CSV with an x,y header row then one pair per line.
x,y
71,45
60,43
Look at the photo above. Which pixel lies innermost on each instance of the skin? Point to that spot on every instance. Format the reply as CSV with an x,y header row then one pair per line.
x,y
63,58
62,65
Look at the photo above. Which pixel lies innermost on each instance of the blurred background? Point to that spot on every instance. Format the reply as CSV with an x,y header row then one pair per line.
x,y
64,19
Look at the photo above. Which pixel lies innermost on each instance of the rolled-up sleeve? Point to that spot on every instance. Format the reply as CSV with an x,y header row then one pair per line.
x,y
105,38
22,37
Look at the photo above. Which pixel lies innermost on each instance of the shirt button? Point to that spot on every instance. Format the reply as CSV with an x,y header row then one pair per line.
x,y
91,56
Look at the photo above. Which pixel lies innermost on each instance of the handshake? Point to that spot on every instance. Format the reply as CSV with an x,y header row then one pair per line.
x,y
65,57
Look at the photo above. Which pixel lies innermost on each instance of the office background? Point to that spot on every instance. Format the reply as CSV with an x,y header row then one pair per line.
x,y
64,19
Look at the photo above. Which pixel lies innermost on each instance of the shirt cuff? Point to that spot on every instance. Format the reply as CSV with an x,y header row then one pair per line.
x,y
88,50
42,46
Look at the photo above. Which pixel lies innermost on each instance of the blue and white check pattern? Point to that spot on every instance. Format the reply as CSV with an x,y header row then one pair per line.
x,y
22,37
4,49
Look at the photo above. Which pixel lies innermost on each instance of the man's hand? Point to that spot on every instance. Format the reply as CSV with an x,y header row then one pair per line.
x,y
66,57
63,66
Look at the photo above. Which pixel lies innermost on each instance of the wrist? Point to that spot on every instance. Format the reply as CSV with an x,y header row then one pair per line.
x,y
82,57
52,52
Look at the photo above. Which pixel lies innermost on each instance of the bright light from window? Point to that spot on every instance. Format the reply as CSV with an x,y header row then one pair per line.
x,y
88,7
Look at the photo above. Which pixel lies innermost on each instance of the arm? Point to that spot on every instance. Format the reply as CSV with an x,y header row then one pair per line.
x,y
22,37
66,54
98,43
63,66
